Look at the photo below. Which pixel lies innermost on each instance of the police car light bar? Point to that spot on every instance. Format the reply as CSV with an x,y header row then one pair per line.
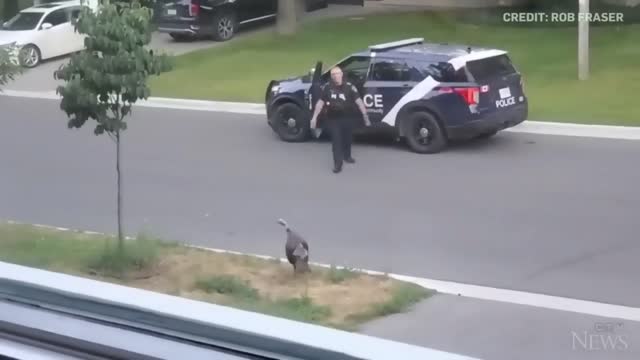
x,y
396,44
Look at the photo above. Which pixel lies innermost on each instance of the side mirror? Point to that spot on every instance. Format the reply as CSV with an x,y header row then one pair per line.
x,y
46,26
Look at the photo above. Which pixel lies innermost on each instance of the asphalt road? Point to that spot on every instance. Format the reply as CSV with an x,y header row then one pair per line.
x,y
501,331
546,214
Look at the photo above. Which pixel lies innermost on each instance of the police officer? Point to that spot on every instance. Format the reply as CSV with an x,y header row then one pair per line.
x,y
340,97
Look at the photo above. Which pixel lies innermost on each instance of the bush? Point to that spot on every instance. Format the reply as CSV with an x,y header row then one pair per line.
x,y
9,67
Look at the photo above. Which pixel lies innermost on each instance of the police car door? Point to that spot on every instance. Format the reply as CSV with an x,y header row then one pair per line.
x,y
314,92
387,83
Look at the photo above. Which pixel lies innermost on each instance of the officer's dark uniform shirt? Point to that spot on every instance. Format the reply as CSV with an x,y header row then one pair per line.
x,y
339,99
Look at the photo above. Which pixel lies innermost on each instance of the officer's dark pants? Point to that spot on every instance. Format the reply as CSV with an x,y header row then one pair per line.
x,y
341,132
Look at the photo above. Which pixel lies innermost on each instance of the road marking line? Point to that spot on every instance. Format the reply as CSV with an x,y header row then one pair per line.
x,y
454,288
580,130
528,127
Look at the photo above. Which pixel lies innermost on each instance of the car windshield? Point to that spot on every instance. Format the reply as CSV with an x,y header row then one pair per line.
x,y
23,21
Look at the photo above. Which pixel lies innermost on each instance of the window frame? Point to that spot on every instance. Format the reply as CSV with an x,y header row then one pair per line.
x,y
326,77
384,59
423,65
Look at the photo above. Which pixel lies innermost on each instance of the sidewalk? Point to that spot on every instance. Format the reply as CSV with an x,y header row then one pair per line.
x,y
502,331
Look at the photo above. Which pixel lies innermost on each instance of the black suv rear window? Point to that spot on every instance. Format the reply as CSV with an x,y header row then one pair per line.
x,y
485,69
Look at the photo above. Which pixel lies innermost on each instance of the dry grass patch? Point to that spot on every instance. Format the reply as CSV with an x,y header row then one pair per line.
x,y
340,298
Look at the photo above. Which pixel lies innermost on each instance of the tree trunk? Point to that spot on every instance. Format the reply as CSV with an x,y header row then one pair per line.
x,y
301,9
119,181
287,21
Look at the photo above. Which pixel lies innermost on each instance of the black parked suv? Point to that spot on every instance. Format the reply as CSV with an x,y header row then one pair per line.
x,y
220,19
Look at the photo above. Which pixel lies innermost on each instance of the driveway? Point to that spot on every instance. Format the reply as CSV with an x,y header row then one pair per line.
x,y
41,77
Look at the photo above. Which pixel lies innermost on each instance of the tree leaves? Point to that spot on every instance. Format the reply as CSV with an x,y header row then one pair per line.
x,y
9,66
110,75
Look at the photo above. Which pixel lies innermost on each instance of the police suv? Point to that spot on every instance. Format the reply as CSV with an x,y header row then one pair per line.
x,y
426,93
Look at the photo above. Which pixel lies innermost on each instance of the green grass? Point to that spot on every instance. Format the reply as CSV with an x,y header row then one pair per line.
x,y
64,250
138,255
405,295
97,255
241,70
244,296
228,285
298,309
336,276
43,248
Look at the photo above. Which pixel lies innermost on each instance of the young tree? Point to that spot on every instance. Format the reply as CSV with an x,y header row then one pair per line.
x,y
105,80
9,66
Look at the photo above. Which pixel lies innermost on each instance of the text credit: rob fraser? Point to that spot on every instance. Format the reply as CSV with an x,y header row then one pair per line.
x,y
559,17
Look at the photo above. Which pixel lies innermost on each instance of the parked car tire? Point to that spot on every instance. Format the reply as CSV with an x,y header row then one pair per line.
x,y
30,56
291,123
423,133
224,25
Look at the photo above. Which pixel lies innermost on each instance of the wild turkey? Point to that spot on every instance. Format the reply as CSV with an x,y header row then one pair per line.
x,y
296,249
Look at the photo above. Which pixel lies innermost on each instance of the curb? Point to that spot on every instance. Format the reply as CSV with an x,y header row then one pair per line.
x,y
549,302
528,127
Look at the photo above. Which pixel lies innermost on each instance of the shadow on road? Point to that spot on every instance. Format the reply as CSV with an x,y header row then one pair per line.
x,y
384,139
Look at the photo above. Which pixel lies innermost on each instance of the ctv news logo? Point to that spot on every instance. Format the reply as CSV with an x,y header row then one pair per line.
x,y
606,336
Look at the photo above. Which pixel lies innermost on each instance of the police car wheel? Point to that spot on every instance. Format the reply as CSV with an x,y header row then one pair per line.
x,y
290,123
224,26
424,134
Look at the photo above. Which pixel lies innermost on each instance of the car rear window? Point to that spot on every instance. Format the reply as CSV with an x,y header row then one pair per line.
x,y
495,66
440,71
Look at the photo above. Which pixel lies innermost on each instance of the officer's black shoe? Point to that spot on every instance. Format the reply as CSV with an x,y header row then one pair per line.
x,y
350,160
337,169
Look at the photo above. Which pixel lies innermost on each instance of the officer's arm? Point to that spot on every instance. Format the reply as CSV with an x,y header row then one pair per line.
x,y
318,109
363,110
360,104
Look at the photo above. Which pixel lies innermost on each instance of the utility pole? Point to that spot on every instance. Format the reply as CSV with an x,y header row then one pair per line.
x,y
583,40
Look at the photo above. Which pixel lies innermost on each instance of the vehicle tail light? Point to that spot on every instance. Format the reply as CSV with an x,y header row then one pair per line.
x,y
194,8
471,95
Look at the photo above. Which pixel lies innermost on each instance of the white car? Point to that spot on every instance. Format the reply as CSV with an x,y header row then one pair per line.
x,y
43,32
